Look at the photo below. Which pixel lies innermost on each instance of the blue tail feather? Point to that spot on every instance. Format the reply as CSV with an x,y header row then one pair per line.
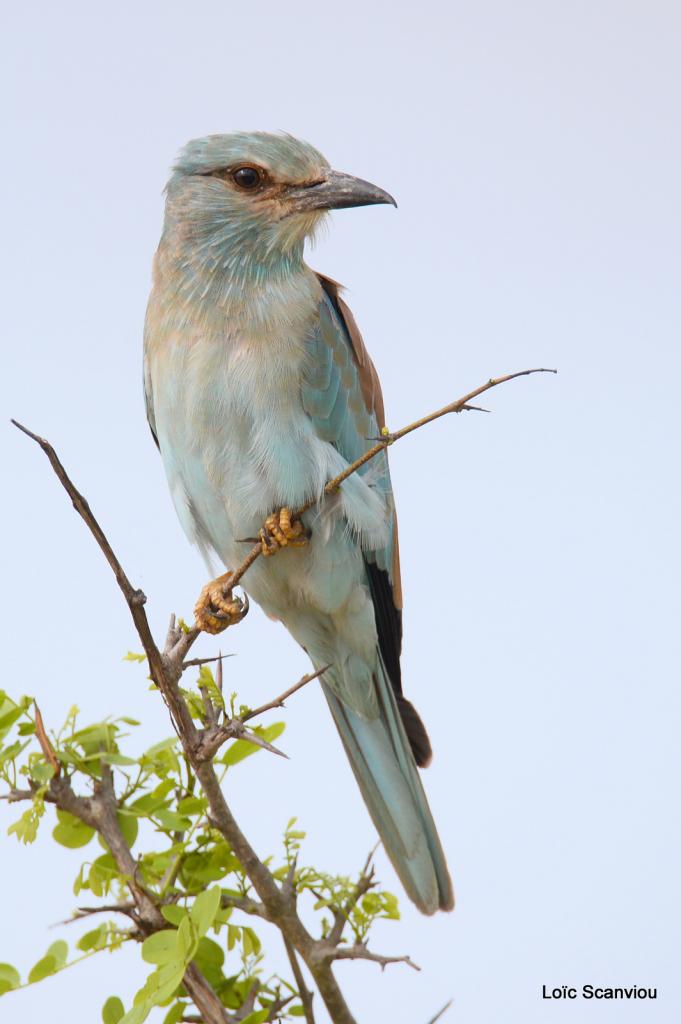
x,y
384,766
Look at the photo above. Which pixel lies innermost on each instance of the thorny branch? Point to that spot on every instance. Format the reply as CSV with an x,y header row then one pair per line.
x,y
276,903
440,1013
460,405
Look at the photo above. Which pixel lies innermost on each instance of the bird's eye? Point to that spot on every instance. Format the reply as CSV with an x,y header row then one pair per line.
x,y
247,177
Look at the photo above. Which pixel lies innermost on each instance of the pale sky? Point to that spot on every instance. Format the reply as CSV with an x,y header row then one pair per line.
x,y
534,151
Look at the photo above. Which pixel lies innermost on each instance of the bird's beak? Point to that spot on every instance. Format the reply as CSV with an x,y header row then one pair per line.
x,y
335,191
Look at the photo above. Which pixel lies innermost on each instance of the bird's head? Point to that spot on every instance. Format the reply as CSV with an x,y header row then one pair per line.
x,y
250,199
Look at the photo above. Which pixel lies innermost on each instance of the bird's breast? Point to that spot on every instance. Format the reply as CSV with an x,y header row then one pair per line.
x,y
235,440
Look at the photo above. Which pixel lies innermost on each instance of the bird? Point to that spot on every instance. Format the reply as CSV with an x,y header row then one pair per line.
x,y
258,391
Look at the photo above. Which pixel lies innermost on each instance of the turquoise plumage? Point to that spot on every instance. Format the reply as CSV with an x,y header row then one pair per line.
x,y
259,390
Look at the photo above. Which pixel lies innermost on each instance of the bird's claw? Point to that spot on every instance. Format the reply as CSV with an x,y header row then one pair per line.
x,y
282,530
217,607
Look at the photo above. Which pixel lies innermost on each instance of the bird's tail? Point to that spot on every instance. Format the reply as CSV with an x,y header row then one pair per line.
x,y
384,766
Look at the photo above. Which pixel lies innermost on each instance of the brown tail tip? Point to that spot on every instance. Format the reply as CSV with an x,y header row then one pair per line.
x,y
416,732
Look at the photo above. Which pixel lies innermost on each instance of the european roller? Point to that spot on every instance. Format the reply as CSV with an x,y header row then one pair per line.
x,y
259,390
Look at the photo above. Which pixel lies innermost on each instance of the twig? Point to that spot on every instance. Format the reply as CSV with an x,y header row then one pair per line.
x,y
360,952
278,702
459,405
211,739
441,1012
114,908
306,996
134,597
198,662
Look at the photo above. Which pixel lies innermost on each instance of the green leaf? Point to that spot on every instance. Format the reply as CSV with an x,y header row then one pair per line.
x,y
249,941
95,939
71,831
161,947
9,978
296,1011
13,751
113,1010
241,749
257,1017
175,1013
129,827
209,954
26,828
80,882
159,986
119,759
174,914
158,748
207,683
9,713
171,821
187,939
59,950
43,969
132,656
41,771
192,805
137,1015
102,873
204,909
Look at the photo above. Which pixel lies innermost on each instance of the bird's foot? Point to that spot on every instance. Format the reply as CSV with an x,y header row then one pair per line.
x,y
282,530
217,607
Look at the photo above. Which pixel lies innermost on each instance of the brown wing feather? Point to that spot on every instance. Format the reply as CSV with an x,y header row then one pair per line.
x,y
373,397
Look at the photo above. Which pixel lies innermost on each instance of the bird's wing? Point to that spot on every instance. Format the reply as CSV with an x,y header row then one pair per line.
x,y
342,394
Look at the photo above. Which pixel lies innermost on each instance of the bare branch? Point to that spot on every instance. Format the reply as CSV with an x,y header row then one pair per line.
x,y
441,1012
114,908
306,997
359,952
198,662
278,702
15,796
135,598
